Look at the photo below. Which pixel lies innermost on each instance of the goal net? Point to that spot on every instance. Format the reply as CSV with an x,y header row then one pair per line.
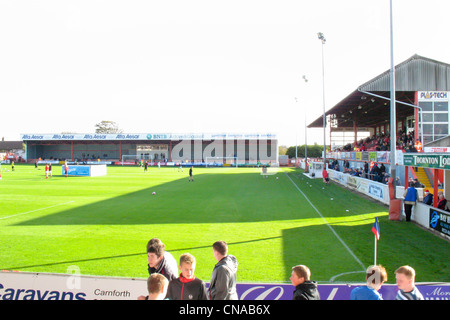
x,y
135,158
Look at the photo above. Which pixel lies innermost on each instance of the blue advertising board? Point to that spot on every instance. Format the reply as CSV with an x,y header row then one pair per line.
x,y
82,171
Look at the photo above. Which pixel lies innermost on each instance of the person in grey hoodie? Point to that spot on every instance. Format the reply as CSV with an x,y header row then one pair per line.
x,y
223,278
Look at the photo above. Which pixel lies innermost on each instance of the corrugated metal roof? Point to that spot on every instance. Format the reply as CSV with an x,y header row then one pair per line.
x,y
415,74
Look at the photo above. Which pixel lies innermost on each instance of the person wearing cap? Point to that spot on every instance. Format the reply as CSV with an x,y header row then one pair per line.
x,y
428,198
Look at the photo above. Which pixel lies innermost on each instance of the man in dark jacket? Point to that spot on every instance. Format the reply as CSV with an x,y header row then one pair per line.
x,y
223,278
428,199
305,289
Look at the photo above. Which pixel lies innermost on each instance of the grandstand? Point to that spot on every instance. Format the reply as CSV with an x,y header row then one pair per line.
x,y
422,114
166,148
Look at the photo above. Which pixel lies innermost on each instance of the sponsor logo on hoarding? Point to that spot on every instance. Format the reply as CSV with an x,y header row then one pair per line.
x,y
32,137
433,95
32,294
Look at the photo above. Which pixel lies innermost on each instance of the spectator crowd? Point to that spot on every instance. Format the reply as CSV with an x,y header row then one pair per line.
x,y
382,142
164,283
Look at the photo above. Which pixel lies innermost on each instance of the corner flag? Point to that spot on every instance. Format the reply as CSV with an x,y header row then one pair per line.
x,y
376,232
376,229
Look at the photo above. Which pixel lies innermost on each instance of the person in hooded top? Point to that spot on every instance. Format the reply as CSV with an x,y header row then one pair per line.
x,y
223,277
305,289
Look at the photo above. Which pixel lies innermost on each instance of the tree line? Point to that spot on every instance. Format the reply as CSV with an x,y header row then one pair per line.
x,y
314,151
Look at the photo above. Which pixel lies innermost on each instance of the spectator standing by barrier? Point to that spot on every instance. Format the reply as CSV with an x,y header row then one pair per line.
x,y
157,287
159,260
305,289
223,278
187,286
441,201
410,198
325,177
405,276
428,199
375,277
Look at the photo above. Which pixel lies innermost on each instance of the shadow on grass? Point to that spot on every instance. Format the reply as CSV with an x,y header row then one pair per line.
x,y
211,198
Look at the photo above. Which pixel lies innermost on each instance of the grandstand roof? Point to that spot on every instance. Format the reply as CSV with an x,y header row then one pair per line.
x,y
414,74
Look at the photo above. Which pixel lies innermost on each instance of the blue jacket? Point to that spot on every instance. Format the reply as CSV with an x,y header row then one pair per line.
x,y
428,199
365,293
411,195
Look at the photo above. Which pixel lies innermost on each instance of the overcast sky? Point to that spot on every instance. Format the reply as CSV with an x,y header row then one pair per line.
x,y
199,66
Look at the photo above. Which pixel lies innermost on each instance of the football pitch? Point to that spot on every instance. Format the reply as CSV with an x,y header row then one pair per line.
x,y
102,224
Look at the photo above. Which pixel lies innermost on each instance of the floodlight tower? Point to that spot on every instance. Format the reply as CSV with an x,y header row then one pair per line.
x,y
306,143
323,40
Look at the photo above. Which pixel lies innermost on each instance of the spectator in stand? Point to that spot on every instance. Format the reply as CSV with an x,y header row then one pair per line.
x,y
305,289
159,260
366,170
375,173
417,184
336,167
385,178
441,200
428,199
447,206
375,277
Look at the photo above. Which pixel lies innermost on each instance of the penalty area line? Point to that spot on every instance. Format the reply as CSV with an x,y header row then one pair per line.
x,y
329,226
19,214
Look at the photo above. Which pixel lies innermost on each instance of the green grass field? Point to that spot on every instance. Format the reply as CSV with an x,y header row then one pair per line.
x,y
102,224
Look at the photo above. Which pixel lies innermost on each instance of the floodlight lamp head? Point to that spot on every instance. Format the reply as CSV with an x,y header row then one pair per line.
x,y
321,37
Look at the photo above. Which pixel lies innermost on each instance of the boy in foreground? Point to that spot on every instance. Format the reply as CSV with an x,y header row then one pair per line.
x,y
375,277
157,287
187,286
407,289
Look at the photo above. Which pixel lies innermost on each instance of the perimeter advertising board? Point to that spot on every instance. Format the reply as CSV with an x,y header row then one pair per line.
x,y
41,286
440,221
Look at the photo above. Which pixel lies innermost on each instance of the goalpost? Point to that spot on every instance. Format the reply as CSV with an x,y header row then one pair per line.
x,y
134,157
225,161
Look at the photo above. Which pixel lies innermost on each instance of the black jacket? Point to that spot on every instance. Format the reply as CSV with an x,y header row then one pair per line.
x,y
184,289
306,291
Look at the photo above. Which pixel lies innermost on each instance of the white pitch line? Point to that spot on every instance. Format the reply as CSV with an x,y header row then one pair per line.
x,y
326,222
18,214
